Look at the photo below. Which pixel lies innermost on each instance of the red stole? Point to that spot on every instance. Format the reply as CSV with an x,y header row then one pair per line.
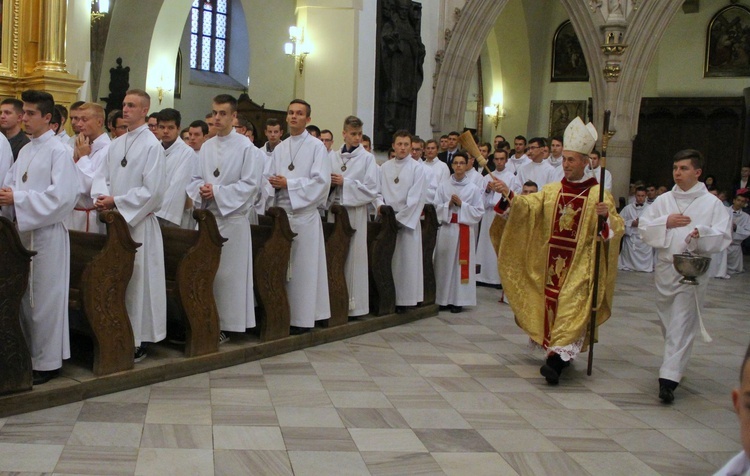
x,y
464,242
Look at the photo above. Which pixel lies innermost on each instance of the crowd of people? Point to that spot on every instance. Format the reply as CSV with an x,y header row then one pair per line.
x,y
538,195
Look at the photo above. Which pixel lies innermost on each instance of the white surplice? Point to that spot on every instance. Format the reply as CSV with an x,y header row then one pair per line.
x,y
6,156
307,189
675,302
438,168
597,173
741,220
359,190
84,216
401,186
138,189
541,173
180,162
235,168
635,255
515,163
41,203
555,162
449,288
486,255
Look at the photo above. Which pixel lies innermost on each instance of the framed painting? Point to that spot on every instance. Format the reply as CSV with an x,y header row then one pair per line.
x,y
562,112
568,62
728,43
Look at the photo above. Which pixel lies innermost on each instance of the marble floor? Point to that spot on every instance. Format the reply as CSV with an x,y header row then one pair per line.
x,y
457,394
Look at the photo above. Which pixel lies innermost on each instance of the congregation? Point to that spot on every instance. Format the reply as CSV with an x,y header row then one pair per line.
x,y
155,172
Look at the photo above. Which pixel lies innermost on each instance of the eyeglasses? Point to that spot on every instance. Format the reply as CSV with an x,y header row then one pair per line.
x,y
327,140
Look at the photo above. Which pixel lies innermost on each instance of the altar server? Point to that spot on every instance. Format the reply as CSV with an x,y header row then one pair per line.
x,y
635,255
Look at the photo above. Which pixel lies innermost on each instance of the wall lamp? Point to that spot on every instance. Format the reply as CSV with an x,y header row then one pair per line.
x,y
297,47
496,113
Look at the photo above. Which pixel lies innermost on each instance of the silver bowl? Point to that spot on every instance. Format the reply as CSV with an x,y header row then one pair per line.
x,y
690,266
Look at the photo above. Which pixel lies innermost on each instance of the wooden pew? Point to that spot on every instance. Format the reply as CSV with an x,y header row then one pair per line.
x,y
338,237
191,260
15,358
381,243
100,270
272,247
430,226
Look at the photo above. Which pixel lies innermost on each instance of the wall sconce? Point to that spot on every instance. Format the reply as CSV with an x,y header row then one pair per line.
x,y
495,112
297,47
160,90
99,9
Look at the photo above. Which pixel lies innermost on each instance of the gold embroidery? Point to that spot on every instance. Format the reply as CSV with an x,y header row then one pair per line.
x,y
567,217
556,270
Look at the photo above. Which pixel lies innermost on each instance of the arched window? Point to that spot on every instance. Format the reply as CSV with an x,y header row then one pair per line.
x,y
209,28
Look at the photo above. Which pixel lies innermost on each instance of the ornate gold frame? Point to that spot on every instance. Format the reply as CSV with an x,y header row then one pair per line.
x,y
9,59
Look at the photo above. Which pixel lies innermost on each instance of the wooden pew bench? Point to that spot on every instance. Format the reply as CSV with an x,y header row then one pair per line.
x,y
337,237
272,247
15,358
100,270
381,243
430,226
191,260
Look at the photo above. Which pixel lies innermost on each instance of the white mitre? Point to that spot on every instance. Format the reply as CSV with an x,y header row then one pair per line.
x,y
579,137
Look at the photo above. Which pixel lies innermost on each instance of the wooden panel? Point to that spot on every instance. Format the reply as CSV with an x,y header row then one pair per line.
x,y
338,237
714,126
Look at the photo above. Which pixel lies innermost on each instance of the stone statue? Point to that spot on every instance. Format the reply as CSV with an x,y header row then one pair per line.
x,y
401,75
119,83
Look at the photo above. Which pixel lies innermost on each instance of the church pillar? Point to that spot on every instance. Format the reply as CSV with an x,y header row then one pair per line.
x,y
33,49
330,26
52,36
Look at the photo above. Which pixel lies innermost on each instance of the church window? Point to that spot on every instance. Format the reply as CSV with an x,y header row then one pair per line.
x,y
209,20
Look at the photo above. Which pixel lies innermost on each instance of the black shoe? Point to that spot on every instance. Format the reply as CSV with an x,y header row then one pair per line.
x,y
401,309
456,309
666,390
550,374
43,376
140,353
296,331
223,338
444,308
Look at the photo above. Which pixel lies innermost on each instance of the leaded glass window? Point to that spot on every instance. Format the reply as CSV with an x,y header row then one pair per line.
x,y
209,35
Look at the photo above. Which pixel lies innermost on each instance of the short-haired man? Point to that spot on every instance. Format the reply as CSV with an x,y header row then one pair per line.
x,y
451,149
595,171
519,158
459,209
367,143
687,218
153,124
555,157
402,185
91,147
39,191
486,252
180,159
743,182
554,234
740,463
327,137
132,179
313,130
635,255
197,134
11,114
75,124
354,178
417,148
227,181
740,232
240,125
436,166
116,124
299,173
61,133
650,193
209,120
538,171
443,143
499,139
273,135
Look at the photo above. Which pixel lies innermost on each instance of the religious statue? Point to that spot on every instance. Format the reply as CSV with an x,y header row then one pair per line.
x,y
119,83
400,63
